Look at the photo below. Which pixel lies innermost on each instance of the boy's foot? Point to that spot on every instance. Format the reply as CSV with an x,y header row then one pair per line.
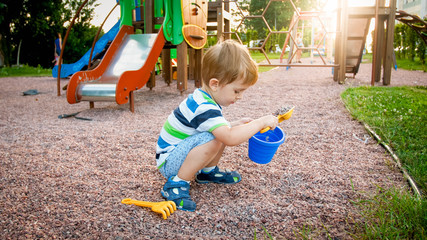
x,y
217,176
179,192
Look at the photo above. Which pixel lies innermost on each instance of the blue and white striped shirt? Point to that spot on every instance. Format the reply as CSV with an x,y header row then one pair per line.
x,y
197,113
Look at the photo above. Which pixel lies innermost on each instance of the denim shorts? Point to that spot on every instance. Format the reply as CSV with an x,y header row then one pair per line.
x,y
177,156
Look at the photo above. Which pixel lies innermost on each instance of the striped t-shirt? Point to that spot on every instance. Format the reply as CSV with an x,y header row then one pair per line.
x,y
197,113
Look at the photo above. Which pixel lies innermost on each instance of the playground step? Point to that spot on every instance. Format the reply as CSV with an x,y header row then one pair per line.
x,y
356,42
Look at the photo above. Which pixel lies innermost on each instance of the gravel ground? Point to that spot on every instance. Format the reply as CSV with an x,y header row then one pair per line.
x,y
65,178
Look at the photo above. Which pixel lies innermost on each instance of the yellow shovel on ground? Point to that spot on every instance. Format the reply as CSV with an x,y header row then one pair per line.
x,y
166,208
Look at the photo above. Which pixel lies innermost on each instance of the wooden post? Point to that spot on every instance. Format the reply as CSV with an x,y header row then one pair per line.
x,y
91,104
198,68
227,24
149,28
343,42
388,61
132,101
380,48
181,52
220,22
167,66
375,65
191,63
338,41
293,31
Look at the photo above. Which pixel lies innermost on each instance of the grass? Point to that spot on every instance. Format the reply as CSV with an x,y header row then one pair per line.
x,y
411,65
25,71
398,115
406,64
266,233
307,231
259,57
391,214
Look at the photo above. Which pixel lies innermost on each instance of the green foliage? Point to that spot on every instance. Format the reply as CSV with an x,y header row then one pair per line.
x,y
35,24
398,115
250,35
79,42
408,44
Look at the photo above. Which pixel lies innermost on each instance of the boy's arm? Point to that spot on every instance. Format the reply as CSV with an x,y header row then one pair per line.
x,y
241,121
236,135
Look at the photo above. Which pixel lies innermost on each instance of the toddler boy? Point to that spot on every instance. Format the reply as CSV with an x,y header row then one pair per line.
x,y
195,134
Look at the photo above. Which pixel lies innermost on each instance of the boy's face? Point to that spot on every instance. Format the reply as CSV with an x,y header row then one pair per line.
x,y
225,95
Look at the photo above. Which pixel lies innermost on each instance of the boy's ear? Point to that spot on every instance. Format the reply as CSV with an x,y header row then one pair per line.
x,y
213,84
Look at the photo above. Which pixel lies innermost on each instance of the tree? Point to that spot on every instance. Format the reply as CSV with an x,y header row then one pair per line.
x,y
398,40
408,43
34,25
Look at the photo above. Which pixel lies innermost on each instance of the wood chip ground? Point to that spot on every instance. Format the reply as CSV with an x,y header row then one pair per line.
x,y
65,178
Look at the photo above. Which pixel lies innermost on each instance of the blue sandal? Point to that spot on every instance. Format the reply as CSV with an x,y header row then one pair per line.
x,y
217,176
179,192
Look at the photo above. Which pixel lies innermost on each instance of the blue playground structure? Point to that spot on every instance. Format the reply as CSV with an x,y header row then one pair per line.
x,y
71,68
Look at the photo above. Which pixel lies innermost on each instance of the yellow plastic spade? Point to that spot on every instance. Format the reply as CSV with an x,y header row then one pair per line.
x,y
166,208
283,114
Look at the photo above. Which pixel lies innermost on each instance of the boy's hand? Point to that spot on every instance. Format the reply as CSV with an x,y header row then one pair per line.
x,y
240,133
270,121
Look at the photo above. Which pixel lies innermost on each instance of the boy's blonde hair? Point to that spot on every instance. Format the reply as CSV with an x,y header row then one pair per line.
x,y
228,61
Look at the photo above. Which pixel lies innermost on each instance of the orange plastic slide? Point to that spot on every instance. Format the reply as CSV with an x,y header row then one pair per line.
x,y
126,67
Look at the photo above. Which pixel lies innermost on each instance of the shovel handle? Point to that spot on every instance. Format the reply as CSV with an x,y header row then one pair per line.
x,y
265,130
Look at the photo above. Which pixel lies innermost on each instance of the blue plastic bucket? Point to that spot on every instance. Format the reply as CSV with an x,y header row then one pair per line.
x,y
263,146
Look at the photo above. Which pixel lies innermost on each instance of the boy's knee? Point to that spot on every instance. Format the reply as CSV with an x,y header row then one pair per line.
x,y
215,146
218,144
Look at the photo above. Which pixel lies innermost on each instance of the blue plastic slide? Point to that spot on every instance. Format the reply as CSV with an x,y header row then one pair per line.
x,y
70,69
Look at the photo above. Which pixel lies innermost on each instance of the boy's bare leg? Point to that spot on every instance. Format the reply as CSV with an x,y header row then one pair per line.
x,y
216,159
206,155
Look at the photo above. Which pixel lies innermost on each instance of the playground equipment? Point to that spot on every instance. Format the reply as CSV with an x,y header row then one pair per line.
x,y
352,27
290,38
101,44
166,208
350,43
129,61
315,46
186,20
415,22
